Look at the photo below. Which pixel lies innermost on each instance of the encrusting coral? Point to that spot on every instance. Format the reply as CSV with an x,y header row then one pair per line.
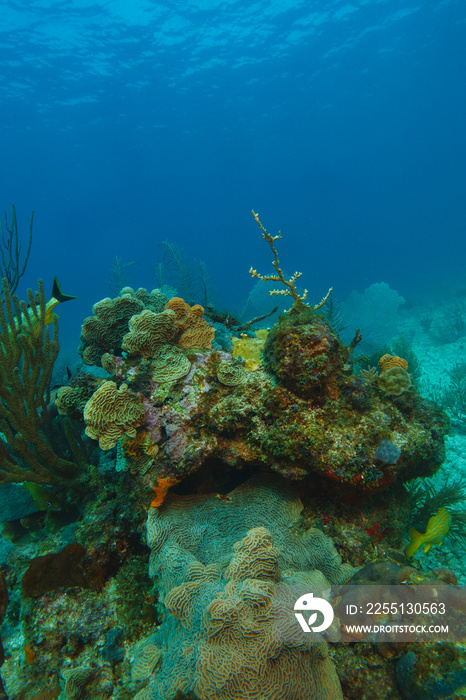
x,y
250,348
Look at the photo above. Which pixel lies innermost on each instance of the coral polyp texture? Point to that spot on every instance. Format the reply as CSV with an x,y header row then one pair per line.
x,y
394,380
228,571
230,374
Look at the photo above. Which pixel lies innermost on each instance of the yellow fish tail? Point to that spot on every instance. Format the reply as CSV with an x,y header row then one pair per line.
x,y
416,541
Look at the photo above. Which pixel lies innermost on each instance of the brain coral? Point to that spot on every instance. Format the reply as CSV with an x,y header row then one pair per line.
x,y
148,331
394,381
111,413
103,332
389,361
228,570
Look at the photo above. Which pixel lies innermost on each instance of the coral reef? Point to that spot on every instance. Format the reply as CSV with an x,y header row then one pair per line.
x,y
194,331
71,399
3,604
230,374
250,348
429,671
148,331
304,413
268,460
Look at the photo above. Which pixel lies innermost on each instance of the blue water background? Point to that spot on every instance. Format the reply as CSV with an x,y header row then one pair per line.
x,y
128,122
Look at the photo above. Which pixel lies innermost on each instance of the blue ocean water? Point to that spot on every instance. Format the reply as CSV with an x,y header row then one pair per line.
x,y
126,123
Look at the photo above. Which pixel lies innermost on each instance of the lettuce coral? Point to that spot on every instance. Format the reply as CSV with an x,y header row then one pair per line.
x,y
169,364
103,331
148,331
230,374
194,331
112,413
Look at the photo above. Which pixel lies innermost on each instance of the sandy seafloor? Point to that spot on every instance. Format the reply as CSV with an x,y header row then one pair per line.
x,y
437,358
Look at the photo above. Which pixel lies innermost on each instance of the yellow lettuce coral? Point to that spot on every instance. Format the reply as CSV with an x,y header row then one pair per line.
x,y
230,374
148,331
194,329
169,364
111,413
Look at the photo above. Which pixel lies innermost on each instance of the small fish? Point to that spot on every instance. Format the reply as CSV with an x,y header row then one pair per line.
x,y
57,298
43,497
436,529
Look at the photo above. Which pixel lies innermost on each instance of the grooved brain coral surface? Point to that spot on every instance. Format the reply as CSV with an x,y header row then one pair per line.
x,y
227,571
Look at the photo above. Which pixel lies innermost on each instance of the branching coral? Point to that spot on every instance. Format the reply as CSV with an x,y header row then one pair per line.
x,y
290,288
27,355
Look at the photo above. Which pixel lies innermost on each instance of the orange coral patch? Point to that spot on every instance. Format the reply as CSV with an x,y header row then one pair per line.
x,y
29,654
389,361
195,331
161,489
